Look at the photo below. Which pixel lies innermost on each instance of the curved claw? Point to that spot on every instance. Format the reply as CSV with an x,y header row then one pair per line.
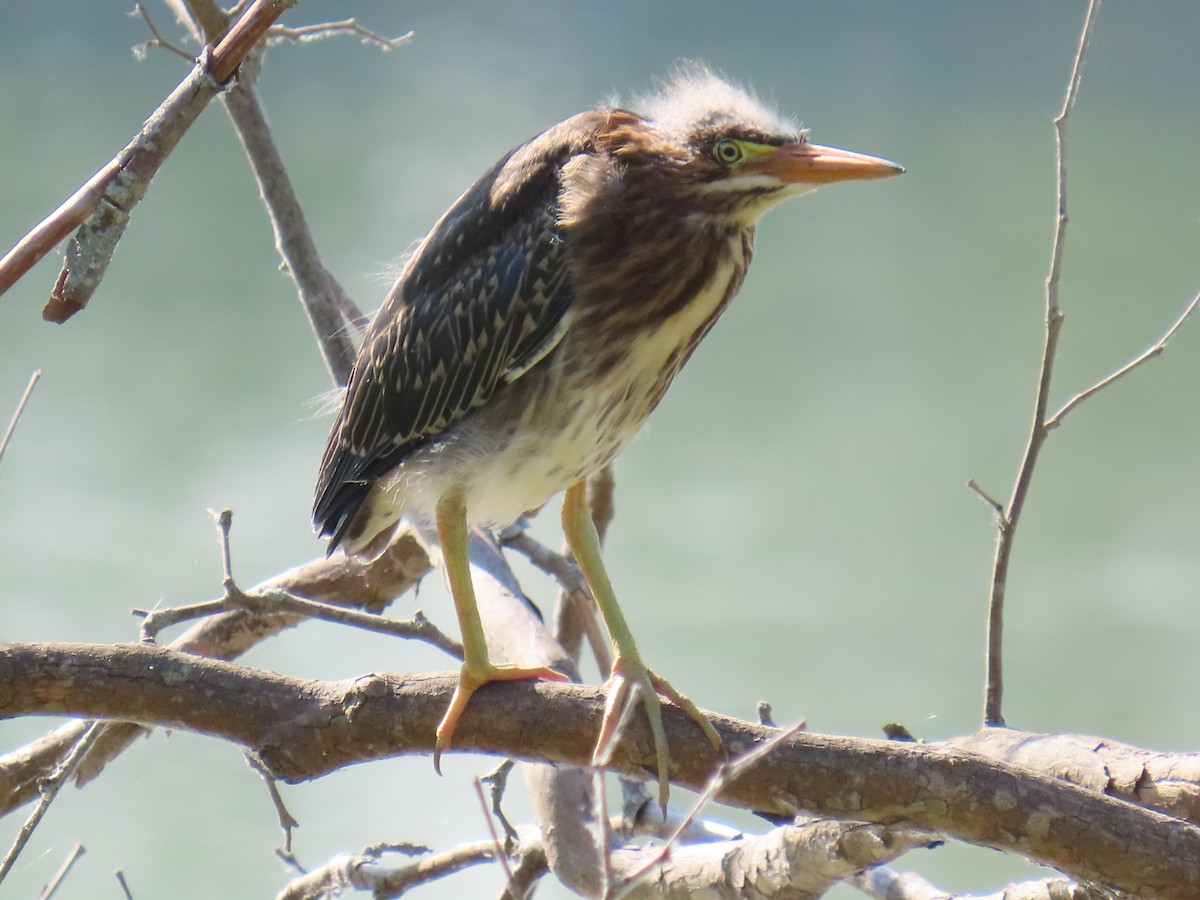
x,y
626,689
470,679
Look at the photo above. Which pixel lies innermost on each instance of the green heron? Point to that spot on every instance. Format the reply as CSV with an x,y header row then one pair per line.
x,y
538,325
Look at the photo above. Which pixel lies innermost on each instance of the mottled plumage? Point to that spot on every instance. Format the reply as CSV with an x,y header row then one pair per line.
x,y
542,319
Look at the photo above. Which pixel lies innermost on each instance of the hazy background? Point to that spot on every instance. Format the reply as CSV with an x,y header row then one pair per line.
x,y
793,526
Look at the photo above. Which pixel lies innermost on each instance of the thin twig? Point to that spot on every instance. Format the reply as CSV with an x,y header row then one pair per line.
x,y
286,820
306,33
994,689
1156,350
725,773
497,781
325,302
574,593
224,521
45,236
987,498
99,211
363,871
274,601
157,40
491,827
50,786
16,416
48,891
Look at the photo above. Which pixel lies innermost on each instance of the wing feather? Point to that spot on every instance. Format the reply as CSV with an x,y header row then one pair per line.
x,y
482,301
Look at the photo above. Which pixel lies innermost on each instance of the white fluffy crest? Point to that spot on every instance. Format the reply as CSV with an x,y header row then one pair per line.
x,y
696,97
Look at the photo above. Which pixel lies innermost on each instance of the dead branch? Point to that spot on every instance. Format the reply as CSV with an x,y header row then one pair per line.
x,y
305,729
884,884
799,862
99,211
340,580
63,871
364,871
327,306
306,33
49,787
1169,782
1155,350
16,416
1007,521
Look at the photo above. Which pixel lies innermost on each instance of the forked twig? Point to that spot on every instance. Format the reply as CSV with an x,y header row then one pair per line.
x,y
280,601
491,827
105,201
286,820
1155,350
323,30
157,40
1008,518
50,786
725,773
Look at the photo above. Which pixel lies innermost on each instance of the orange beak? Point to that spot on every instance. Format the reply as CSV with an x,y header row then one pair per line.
x,y
806,163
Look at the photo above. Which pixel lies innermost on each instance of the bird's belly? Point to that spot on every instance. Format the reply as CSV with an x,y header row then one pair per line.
x,y
584,418
561,421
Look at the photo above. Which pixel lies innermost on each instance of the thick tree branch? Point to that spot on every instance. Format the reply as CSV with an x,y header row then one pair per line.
x,y
305,729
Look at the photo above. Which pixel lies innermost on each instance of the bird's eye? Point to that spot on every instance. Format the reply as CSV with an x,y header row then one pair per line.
x,y
727,152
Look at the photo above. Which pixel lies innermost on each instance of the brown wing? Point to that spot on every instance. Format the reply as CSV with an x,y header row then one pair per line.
x,y
482,300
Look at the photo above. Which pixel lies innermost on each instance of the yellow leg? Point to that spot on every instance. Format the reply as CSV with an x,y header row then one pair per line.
x,y
477,669
631,679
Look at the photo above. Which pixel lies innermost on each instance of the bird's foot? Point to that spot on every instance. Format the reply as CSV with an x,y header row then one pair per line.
x,y
471,678
632,682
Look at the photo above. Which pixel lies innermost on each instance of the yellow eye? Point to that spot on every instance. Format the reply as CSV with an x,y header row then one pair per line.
x,y
727,152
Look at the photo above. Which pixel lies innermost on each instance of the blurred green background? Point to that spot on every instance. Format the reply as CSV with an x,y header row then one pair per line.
x,y
793,526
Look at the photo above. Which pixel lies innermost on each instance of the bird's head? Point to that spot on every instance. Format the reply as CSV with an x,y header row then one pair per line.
x,y
727,151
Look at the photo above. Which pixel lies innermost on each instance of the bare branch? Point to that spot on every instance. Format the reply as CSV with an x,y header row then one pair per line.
x,y
326,304
277,600
305,729
100,209
49,890
1008,519
363,871
371,586
307,33
16,416
1156,350
49,787
491,827
286,820
45,236
882,883
497,780
802,860
574,593
987,498
725,773
157,40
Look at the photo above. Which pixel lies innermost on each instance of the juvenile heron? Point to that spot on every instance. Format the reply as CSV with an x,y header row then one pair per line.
x,y
539,324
